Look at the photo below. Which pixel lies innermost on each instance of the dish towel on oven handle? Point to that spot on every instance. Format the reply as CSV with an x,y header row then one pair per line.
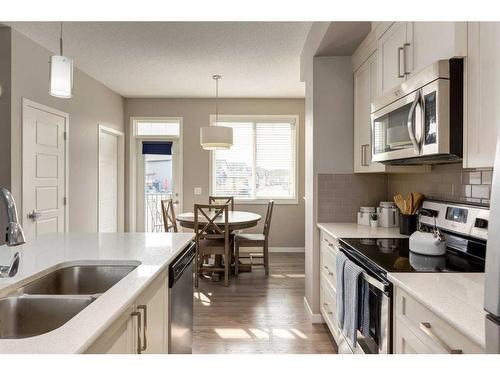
x,y
355,298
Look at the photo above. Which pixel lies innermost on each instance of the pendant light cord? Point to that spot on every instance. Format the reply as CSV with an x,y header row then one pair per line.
x,y
216,101
61,40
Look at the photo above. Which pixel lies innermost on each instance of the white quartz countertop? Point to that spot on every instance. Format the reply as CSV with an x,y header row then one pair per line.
x,y
152,251
457,298
353,230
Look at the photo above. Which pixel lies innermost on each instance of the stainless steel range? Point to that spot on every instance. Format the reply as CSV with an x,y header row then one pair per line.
x,y
465,228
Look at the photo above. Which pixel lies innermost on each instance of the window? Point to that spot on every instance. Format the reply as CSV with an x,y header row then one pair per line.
x,y
163,127
261,164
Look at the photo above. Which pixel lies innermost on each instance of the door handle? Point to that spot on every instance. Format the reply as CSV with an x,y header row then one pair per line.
x,y
411,123
175,202
34,215
137,314
145,327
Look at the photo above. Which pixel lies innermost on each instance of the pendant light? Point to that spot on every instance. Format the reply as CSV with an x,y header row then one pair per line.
x,y
216,137
61,73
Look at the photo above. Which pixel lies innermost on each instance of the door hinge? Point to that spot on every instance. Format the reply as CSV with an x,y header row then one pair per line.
x,y
65,201
65,135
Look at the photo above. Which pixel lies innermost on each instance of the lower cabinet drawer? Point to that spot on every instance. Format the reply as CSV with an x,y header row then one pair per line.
x,y
406,342
436,335
328,301
328,259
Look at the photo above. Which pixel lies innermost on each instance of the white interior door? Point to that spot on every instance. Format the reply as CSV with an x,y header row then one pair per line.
x,y
44,170
108,181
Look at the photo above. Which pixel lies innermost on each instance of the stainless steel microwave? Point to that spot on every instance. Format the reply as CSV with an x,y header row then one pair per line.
x,y
421,121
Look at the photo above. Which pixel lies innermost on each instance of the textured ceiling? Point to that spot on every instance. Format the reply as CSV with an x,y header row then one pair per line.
x,y
178,59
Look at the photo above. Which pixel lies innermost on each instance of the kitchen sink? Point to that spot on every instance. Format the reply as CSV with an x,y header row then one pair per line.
x,y
27,316
78,279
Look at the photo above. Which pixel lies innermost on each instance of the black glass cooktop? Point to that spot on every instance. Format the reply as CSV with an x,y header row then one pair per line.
x,y
394,255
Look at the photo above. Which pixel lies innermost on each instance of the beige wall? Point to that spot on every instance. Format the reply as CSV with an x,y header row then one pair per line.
x,y
288,220
5,54
92,104
329,147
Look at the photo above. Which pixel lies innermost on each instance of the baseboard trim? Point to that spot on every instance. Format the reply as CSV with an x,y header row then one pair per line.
x,y
273,249
315,318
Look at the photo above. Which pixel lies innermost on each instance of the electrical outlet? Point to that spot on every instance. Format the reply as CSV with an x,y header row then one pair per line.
x,y
197,191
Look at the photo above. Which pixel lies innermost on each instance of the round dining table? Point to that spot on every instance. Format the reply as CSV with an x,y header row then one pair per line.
x,y
236,219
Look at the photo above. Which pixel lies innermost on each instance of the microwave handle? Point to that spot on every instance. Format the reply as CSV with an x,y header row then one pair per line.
x,y
411,123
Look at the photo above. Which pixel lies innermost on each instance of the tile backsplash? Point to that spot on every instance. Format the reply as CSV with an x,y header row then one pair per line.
x,y
341,195
446,182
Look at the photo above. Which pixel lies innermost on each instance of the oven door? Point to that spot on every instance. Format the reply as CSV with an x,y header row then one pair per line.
x,y
378,340
397,129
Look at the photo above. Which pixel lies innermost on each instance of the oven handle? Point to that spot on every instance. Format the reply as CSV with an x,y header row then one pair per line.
x,y
380,285
411,122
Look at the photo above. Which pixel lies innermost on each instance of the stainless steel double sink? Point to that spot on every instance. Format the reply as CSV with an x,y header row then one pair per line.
x,y
52,300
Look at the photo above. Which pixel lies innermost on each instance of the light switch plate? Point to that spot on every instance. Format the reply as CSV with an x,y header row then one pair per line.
x,y
197,191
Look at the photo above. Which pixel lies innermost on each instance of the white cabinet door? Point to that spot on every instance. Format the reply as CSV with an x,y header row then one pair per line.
x,y
152,305
119,338
432,41
143,328
390,50
483,94
365,91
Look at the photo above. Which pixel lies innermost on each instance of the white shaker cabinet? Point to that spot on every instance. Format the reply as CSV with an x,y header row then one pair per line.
x,y
418,330
391,48
142,328
365,91
432,41
482,123
152,304
408,47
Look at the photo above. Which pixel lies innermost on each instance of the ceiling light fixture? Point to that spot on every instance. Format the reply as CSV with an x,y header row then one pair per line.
x,y
216,137
61,73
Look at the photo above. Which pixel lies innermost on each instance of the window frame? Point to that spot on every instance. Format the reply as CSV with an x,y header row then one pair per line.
x,y
253,119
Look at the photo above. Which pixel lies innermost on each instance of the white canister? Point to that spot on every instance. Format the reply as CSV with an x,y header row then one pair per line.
x,y
364,215
388,215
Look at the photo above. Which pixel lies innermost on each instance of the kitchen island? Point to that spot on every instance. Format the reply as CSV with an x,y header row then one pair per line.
x,y
149,253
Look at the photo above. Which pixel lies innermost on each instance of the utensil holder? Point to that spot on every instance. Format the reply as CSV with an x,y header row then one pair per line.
x,y
407,224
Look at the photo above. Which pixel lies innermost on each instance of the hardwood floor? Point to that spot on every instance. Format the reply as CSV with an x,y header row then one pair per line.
x,y
258,314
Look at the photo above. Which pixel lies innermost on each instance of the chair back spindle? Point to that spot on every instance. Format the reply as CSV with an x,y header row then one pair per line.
x,y
213,199
169,220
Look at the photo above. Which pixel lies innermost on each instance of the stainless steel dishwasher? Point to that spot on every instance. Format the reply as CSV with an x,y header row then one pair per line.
x,y
180,302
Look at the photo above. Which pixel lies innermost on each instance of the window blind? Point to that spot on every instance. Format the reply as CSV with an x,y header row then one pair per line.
x,y
261,164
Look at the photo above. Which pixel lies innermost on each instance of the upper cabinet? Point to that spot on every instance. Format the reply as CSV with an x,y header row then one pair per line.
x,y
392,49
407,47
432,41
482,94
365,90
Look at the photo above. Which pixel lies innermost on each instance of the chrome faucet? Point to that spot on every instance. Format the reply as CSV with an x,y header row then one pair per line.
x,y
14,233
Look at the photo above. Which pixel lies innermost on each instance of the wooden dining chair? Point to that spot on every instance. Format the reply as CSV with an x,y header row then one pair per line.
x,y
169,221
212,238
255,240
215,199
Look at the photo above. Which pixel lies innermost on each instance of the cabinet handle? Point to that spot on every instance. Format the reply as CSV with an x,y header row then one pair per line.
x,y
405,46
400,49
138,315
364,162
427,329
145,327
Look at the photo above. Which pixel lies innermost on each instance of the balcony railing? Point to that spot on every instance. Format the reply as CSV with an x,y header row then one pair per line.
x,y
154,217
